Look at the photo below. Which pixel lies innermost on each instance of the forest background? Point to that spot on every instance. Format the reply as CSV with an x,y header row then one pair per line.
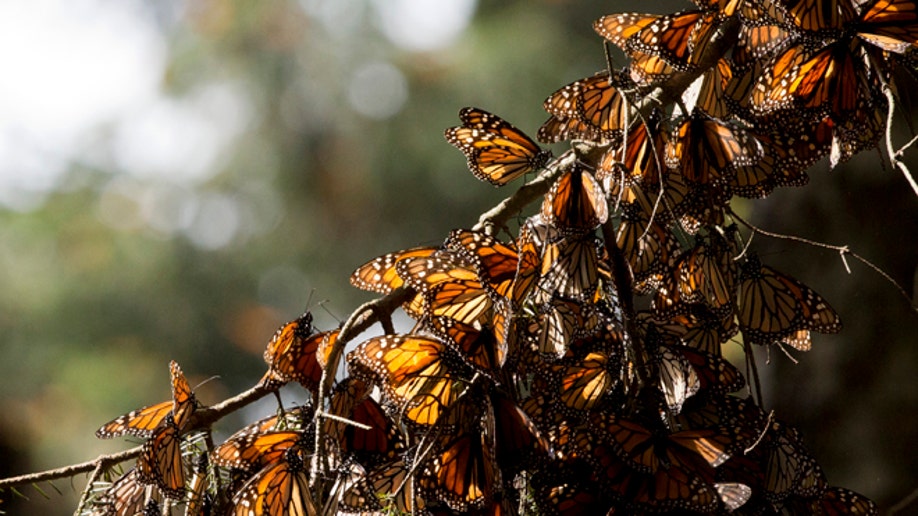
x,y
178,178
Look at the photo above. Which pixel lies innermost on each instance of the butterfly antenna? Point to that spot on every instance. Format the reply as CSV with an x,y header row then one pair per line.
x,y
280,404
322,304
208,380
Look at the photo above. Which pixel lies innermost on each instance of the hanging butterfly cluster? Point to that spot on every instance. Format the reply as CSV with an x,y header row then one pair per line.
x,y
560,372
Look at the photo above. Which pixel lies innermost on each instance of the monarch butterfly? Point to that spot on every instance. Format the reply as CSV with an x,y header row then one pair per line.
x,y
685,371
484,348
830,80
619,28
160,461
677,380
791,149
199,500
420,374
647,246
570,497
559,320
380,441
291,419
144,421
281,487
707,151
576,203
496,262
759,180
707,274
834,501
733,494
890,24
774,307
127,496
562,128
858,132
292,354
758,42
632,472
788,469
425,273
699,328
570,269
594,102
497,151
586,379
713,98
813,20
639,160
678,39
379,274
696,450
385,487
463,473
465,302
253,451
450,289
529,261
714,373
648,69
517,440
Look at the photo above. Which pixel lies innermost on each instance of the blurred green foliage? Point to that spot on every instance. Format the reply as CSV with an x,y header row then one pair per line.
x,y
94,303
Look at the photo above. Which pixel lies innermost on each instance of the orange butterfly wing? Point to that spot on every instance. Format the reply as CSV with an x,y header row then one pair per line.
x,y
292,354
160,461
144,421
497,151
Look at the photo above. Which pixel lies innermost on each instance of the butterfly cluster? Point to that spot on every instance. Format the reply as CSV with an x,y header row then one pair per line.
x,y
577,364
160,470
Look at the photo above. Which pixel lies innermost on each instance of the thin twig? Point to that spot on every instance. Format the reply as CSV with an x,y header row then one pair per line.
x,y
771,417
346,421
890,148
905,502
84,497
72,470
843,250
901,152
202,419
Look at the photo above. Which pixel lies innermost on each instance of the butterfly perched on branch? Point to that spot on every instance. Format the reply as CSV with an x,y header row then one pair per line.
x,y
142,422
497,151
774,307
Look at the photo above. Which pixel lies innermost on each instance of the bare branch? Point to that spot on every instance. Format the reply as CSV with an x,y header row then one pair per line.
x,y
901,152
903,503
890,148
103,461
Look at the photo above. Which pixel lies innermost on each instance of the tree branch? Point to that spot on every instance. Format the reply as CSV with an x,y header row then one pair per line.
x,y
894,155
102,461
